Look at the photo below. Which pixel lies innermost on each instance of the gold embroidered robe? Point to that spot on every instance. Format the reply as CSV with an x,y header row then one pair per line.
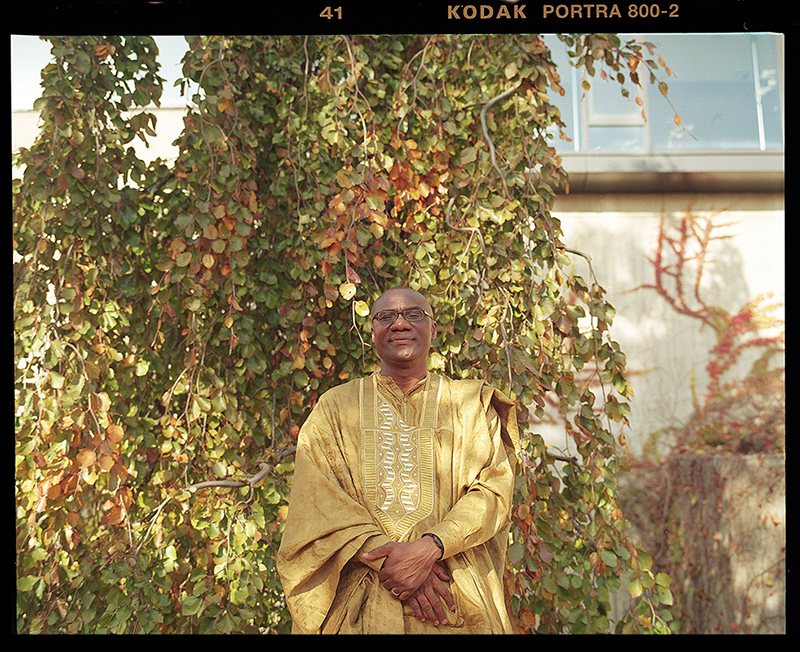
x,y
374,465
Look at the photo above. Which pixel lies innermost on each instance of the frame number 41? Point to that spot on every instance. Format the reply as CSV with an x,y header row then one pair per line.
x,y
330,12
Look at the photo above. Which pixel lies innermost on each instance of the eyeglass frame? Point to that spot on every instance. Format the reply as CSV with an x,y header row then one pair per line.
x,y
400,312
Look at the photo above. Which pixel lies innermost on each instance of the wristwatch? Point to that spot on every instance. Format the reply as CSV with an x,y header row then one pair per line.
x,y
437,541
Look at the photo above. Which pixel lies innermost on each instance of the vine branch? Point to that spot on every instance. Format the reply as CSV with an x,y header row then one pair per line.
x,y
489,142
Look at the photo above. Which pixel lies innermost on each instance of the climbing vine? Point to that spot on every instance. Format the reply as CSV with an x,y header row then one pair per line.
x,y
705,491
176,321
740,409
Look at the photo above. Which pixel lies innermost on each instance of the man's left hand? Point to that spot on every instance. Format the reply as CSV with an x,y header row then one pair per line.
x,y
426,602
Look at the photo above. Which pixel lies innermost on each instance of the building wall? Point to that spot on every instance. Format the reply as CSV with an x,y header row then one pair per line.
x,y
717,527
169,124
667,352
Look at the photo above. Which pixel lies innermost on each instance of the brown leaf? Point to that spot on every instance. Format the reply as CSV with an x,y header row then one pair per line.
x,y
86,458
53,492
106,462
100,401
352,276
225,105
115,515
114,433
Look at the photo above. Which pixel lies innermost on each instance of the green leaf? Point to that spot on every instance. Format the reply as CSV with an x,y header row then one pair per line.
x,y
515,553
645,559
362,308
635,588
468,155
26,583
192,605
609,558
664,596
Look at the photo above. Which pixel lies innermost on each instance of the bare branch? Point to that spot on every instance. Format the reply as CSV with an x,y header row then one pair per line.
x,y
233,484
489,142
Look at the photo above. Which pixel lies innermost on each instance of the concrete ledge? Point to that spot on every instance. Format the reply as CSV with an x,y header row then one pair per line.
x,y
685,172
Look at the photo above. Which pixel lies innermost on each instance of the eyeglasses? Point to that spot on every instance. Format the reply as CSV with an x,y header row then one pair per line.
x,y
412,314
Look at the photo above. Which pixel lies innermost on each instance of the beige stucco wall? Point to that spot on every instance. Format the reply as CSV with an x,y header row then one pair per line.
x,y
667,352
169,123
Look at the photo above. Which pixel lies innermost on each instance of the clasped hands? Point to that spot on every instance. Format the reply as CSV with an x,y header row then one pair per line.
x,y
412,573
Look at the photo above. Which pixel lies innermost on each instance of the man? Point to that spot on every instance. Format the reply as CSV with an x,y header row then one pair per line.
x,y
399,515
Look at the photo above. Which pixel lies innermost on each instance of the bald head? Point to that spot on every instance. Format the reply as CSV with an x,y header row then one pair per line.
x,y
413,296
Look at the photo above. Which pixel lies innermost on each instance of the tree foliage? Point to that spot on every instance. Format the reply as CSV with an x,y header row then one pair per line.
x,y
175,322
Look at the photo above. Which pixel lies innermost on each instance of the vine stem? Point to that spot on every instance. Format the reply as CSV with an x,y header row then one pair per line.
x,y
492,152
251,482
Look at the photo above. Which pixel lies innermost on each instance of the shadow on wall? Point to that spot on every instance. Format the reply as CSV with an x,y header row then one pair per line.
x,y
667,352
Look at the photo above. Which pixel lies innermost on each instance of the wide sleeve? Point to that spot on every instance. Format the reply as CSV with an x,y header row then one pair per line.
x,y
326,526
485,470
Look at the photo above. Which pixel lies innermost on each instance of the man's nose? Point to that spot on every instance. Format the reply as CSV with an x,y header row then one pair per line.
x,y
400,322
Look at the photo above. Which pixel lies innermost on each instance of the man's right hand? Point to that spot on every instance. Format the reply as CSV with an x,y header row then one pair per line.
x,y
426,602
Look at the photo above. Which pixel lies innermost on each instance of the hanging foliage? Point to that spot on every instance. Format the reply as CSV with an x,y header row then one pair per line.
x,y
176,322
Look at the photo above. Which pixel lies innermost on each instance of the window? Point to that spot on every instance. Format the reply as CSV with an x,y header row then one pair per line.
x,y
727,89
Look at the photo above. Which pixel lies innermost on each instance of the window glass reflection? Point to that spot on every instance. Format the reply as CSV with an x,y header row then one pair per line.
x,y
724,87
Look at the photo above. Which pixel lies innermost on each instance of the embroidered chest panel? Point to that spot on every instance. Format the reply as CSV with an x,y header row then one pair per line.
x,y
398,459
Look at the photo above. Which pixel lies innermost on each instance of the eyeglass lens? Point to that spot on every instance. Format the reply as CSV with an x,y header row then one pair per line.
x,y
388,316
